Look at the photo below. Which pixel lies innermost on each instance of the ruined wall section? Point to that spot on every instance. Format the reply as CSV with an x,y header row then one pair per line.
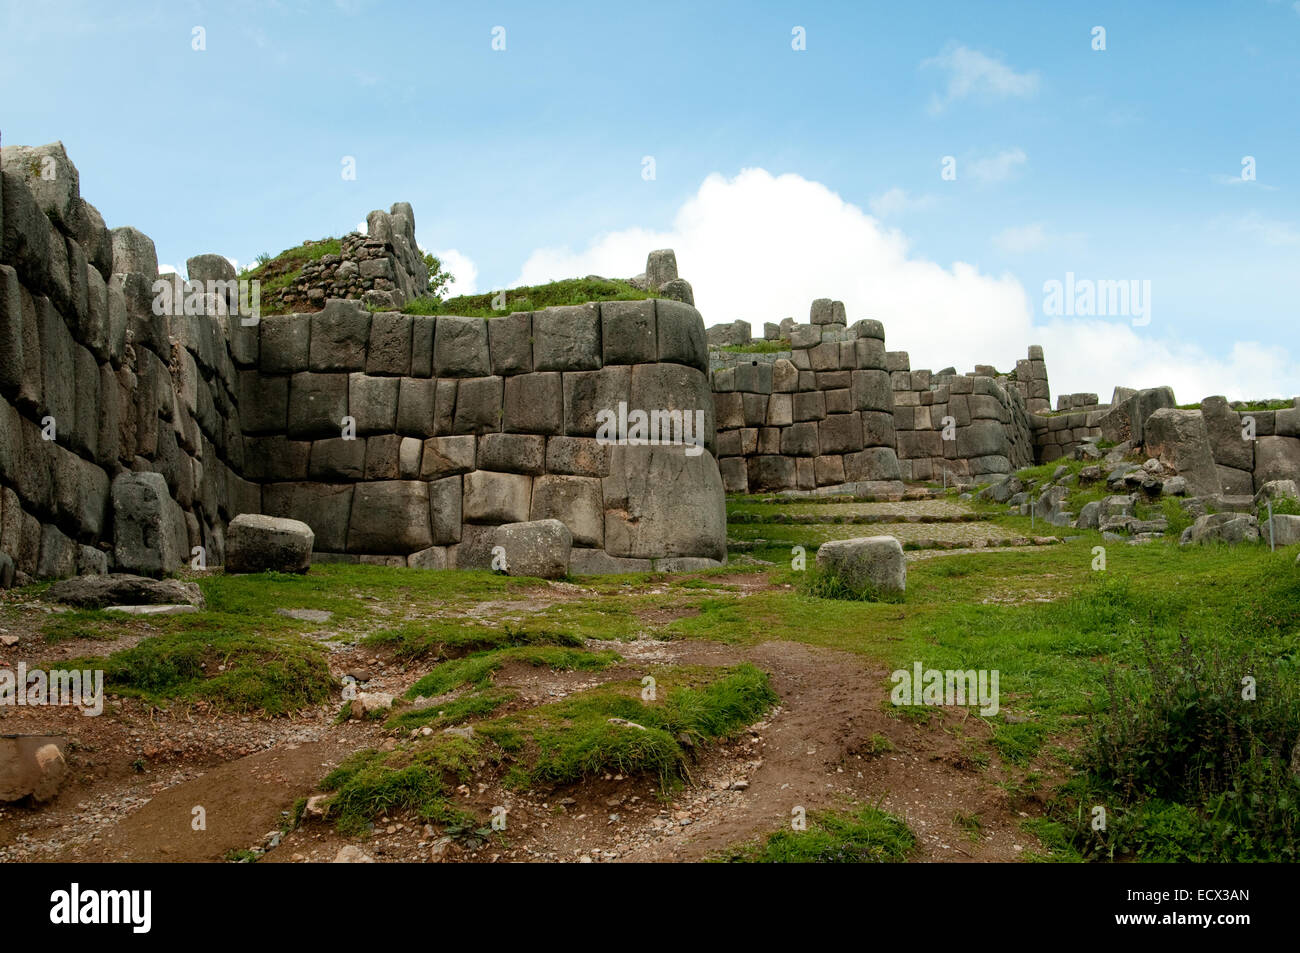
x,y
821,417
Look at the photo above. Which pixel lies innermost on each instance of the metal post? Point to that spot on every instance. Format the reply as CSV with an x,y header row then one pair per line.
x,y
1272,548
1031,514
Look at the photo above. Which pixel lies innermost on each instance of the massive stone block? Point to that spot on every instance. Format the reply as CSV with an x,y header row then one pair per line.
x,y
1277,458
577,456
390,517
510,343
681,336
536,548
660,502
479,405
869,565
1223,428
415,404
149,534
460,347
497,497
512,452
567,338
317,404
446,456
372,403
534,403
389,352
284,344
586,393
268,544
339,336
628,332
445,510
575,501
1178,438
326,508
675,398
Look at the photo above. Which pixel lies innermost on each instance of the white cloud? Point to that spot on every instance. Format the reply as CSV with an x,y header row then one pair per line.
x,y
897,202
972,74
463,270
1093,355
1019,239
997,168
1270,231
762,247
167,270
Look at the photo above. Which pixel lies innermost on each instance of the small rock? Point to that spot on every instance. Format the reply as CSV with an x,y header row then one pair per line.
x,y
351,854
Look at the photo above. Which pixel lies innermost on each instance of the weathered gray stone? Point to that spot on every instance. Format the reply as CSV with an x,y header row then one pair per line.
x,y
534,403
677,403
337,458
660,268
510,343
577,456
340,335
149,534
284,344
317,404
372,402
435,557
390,518
1222,528
1277,458
446,510
681,334
1278,490
447,456
512,452
389,352
587,393
870,566
576,501
1125,421
491,497
661,502
257,543
479,405
628,332
590,562
117,589
134,253
1179,440
535,548
1223,428
567,338
415,406
326,508
1285,529
460,348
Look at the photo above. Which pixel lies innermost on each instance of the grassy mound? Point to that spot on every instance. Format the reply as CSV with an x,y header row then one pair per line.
x,y
531,298
865,836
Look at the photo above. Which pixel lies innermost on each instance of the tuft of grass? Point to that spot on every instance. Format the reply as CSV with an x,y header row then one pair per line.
x,y
455,712
827,585
275,674
865,836
531,298
477,669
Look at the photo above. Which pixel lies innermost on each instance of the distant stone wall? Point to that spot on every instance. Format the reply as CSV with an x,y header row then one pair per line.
x,y
822,417
131,434
990,428
790,420
384,268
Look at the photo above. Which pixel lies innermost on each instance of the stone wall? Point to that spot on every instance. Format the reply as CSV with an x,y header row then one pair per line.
x,y
131,434
383,267
990,428
463,424
110,413
822,417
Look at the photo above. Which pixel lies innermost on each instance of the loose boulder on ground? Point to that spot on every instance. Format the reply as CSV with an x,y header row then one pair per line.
x,y
536,548
124,589
1222,528
268,544
866,565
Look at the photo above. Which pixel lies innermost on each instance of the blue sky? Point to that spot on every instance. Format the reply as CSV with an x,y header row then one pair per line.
x,y
1117,164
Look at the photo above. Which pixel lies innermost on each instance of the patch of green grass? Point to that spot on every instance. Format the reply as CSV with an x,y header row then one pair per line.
x,y
759,346
568,740
970,824
531,298
865,836
449,638
477,669
455,712
275,674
